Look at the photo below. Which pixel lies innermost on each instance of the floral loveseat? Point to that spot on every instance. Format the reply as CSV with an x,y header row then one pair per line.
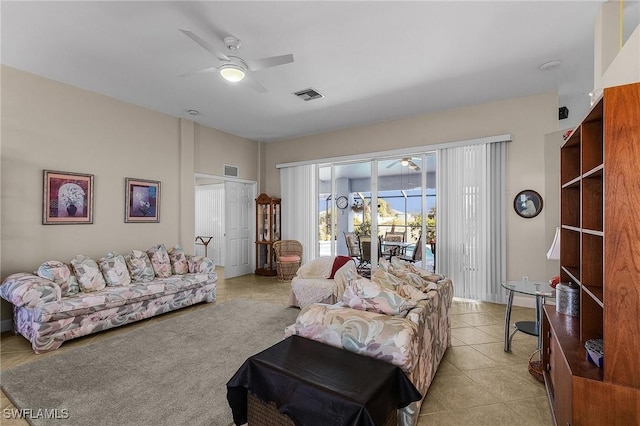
x,y
402,316
60,302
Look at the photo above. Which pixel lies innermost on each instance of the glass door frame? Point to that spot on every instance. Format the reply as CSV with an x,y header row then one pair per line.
x,y
374,167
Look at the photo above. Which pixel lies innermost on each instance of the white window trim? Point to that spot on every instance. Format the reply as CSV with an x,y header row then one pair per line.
x,y
398,152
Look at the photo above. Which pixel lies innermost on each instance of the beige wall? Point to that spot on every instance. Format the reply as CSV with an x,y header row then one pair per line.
x,y
54,126
528,119
625,68
553,142
214,149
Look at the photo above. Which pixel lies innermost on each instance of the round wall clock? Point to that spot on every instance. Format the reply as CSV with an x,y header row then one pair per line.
x,y
342,202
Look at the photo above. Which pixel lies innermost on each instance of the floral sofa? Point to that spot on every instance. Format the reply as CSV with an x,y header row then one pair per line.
x,y
402,316
60,301
321,280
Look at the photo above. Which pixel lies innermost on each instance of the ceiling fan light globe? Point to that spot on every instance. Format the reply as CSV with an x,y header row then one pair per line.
x,y
404,162
232,73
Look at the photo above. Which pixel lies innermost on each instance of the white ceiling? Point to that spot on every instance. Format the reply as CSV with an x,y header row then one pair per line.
x,y
373,61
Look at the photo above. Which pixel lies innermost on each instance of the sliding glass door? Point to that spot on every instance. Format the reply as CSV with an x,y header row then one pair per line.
x,y
373,200
340,205
406,199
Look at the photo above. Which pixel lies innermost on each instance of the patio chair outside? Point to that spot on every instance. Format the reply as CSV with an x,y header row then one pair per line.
x,y
353,245
389,252
417,252
365,256
397,237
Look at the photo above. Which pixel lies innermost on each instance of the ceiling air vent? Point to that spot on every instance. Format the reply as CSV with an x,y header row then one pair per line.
x,y
231,171
309,94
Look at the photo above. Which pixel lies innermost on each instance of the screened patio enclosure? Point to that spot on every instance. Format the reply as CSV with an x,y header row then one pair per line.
x,y
403,191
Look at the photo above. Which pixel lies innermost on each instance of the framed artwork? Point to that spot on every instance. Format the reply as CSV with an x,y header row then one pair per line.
x,y
527,204
142,201
67,198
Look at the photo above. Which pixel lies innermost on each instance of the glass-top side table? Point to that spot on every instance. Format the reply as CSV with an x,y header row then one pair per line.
x,y
541,290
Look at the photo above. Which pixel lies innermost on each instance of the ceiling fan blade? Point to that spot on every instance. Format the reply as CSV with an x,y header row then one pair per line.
x,y
273,61
203,71
206,46
390,165
414,166
251,82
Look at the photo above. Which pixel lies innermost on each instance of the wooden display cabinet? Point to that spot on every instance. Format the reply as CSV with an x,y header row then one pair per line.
x,y
599,252
268,231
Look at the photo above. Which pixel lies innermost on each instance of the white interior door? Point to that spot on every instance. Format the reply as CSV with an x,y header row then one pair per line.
x,y
239,228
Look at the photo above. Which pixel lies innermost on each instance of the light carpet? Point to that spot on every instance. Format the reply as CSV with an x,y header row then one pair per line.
x,y
171,372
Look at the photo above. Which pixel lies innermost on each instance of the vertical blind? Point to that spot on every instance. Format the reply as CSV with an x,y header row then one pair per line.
x,y
298,185
472,240
210,221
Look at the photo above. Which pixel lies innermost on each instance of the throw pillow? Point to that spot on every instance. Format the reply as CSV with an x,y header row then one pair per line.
x,y
179,264
114,269
200,265
409,278
401,280
384,264
160,260
401,265
88,273
411,292
59,273
139,266
366,295
338,263
386,279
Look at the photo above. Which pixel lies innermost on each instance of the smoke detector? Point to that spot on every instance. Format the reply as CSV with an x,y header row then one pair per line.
x,y
551,65
232,43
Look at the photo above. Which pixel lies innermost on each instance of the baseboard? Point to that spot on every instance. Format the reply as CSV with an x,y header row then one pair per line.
x,y
6,325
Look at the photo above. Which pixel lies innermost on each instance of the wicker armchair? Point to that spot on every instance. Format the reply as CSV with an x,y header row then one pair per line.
x,y
288,258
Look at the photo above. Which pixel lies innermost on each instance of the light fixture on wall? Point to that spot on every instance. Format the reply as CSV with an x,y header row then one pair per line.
x,y
232,72
554,250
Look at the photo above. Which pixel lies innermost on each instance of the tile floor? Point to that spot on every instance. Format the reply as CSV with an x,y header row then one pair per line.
x,y
477,383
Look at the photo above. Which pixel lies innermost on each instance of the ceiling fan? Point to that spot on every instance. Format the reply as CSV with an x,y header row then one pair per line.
x,y
235,68
407,162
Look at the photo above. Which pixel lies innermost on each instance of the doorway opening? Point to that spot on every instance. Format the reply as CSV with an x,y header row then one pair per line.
x,y
224,225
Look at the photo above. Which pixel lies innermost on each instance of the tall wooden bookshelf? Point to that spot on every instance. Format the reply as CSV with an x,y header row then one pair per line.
x,y
599,252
